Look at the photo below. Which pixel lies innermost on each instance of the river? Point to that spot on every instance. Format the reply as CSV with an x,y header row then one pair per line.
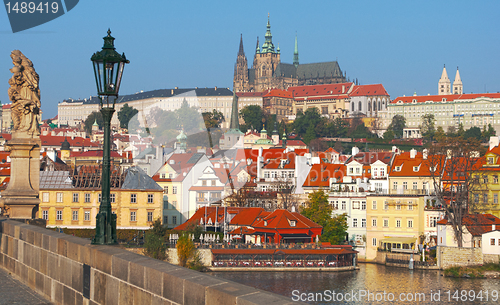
x,y
372,284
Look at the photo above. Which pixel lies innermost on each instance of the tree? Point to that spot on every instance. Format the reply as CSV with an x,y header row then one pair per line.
x,y
397,125
310,134
213,119
185,249
473,132
155,241
487,133
338,128
95,116
428,129
389,135
125,114
320,211
252,115
452,162
284,188
440,134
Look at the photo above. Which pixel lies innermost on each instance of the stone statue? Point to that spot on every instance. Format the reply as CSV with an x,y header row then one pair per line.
x,y
25,95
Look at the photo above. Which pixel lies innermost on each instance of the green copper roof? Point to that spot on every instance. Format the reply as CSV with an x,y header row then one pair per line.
x,y
268,46
296,54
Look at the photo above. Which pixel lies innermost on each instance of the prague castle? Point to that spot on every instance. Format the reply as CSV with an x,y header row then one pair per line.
x,y
269,72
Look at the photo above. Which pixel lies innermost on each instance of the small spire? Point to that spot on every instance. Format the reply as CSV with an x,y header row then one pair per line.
x,y
257,49
241,51
296,53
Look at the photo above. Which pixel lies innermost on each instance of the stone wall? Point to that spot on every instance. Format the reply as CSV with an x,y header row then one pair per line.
x,y
453,256
491,258
205,255
55,265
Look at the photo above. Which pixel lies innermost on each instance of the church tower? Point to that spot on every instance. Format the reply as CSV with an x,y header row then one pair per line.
x,y
444,83
265,61
240,81
458,87
296,54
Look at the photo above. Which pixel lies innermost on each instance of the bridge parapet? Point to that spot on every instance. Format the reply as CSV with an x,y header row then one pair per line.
x,y
69,270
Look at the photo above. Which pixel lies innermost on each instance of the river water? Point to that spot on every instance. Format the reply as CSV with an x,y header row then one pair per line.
x,y
372,284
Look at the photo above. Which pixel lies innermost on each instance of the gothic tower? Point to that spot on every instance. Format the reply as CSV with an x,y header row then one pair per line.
x,y
444,83
240,81
458,87
265,62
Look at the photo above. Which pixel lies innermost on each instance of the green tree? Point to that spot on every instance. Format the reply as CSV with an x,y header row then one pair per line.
x,y
397,125
213,119
155,241
389,135
303,121
338,128
310,134
428,129
95,116
460,131
188,117
320,211
473,132
440,134
487,133
125,114
252,115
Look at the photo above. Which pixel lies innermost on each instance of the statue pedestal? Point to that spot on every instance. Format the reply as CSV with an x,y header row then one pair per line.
x,y
20,199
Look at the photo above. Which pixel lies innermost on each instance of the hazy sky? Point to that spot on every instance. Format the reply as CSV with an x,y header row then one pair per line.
x,y
401,44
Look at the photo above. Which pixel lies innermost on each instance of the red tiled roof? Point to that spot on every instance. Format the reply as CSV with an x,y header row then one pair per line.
x,y
6,106
319,175
280,219
368,90
318,91
279,93
477,224
408,165
367,158
246,94
95,153
439,98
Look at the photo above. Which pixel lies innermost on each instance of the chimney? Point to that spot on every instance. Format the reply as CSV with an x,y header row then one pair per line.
x,y
425,152
493,227
413,153
343,88
494,141
355,151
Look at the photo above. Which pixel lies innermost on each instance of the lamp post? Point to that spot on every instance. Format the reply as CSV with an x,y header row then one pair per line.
x,y
108,71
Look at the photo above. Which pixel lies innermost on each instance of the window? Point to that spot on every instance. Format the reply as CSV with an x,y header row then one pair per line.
x,y
485,179
293,223
363,205
343,205
495,198
59,197
374,242
374,222
266,174
45,197
45,215
99,197
386,223
165,220
410,206
398,223
476,198
174,220
150,216
112,198
213,182
495,179
86,197
398,206
492,242
75,197
75,216
355,223
386,205
415,185
363,223
405,185
165,189
374,205
86,216
395,185
174,189
133,198
485,198
59,215
433,221
133,216
410,223
150,198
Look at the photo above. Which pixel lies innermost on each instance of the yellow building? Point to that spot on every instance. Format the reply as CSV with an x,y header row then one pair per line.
x,y
409,174
394,223
72,201
485,198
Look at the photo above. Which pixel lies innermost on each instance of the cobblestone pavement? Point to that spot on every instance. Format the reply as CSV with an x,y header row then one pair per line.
x,y
14,292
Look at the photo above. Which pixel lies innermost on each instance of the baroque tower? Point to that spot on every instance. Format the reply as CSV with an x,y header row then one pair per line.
x,y
240,81
444,84
458,87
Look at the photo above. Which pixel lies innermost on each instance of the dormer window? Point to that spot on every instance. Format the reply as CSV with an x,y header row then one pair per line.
x,y
491,160
397,168
415,168
293,223
265,223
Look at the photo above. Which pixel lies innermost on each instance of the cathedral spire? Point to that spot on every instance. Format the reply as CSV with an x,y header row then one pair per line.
x,y
296,53
257,49
234,124
241,52
268,46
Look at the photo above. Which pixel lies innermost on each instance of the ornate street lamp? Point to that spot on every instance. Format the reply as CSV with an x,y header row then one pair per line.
x,y
108,71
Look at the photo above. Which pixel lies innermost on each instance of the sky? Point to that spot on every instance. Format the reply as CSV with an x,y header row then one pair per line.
x,y
400,44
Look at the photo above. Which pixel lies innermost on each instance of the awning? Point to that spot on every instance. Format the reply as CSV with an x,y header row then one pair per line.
x,y
403,240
